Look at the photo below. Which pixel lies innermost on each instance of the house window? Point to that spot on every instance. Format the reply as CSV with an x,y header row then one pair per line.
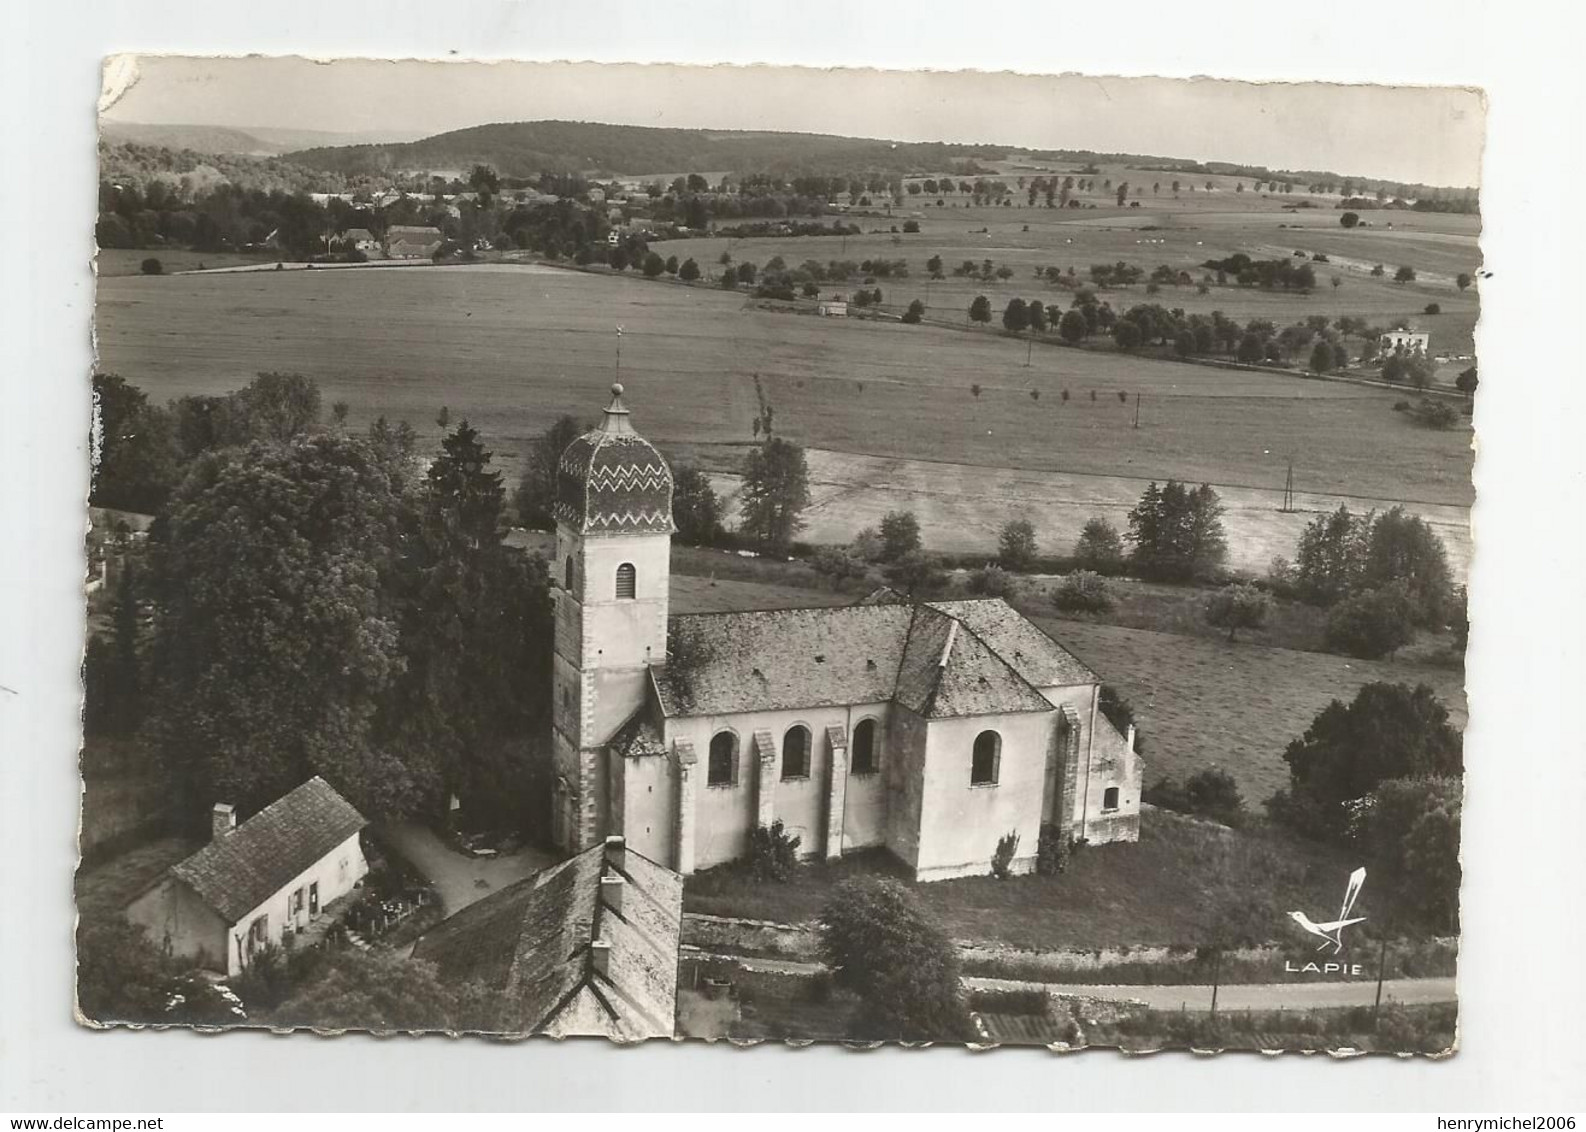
x,y
796,752
313,898
988,754
297,902
864,760
723,768
258,934
1109,799
627,580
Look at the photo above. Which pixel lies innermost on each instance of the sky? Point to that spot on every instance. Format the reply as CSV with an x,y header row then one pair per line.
x,y
1429,135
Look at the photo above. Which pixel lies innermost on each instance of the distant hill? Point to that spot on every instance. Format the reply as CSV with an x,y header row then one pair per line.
x,y
523,149
254,141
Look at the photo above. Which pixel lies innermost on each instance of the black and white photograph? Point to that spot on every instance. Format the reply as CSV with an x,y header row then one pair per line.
x,y
798,576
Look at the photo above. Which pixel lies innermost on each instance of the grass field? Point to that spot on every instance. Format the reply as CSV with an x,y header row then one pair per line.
x,y
1177,886
129,261
510,350
1206,703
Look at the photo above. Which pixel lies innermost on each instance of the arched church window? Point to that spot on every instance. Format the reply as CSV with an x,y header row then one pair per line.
x,y
984,766
627,580
796,752
864,760
723,767
1109,799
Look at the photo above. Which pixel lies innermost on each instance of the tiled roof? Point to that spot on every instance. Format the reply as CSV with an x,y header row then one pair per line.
x,y
612,479
762,660
1039,659
530,944
238,871
942,659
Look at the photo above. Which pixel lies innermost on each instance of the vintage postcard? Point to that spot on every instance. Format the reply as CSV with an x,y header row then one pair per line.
x,y
775,554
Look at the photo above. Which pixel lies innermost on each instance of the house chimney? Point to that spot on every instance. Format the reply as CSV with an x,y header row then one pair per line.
x,y
222,820
1128,737
600,957
611,892
616,851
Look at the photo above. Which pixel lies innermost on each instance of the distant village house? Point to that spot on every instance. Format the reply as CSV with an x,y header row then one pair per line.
x,y
1407,341
409,242
257,883
360,239
833,308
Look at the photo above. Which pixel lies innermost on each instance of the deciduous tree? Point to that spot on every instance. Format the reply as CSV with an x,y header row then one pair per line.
x,y
1388,731
775,493
883,946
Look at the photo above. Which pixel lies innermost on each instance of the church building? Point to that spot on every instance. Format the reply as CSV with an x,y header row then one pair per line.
x,y
930,729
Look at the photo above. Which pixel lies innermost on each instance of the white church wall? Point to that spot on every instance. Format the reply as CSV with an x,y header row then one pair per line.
x,y
962,821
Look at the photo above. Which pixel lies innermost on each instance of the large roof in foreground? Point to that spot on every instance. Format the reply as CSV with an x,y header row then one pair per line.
x,y
238,871
531,944
943,659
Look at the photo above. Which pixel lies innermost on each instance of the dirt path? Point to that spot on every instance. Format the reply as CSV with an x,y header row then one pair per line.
x,y
962,508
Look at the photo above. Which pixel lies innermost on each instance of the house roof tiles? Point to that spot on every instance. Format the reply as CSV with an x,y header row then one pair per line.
x,y
238,871
942,659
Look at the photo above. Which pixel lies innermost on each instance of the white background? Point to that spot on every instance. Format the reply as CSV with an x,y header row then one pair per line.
x,y
1520,973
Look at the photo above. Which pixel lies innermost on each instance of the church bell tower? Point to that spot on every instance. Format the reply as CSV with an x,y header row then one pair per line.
x,y
610,578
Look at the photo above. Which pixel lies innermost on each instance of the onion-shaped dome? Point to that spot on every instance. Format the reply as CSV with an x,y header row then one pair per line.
x,y
612,480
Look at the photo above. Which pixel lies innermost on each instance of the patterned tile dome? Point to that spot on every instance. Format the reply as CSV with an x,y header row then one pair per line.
x,y
613,480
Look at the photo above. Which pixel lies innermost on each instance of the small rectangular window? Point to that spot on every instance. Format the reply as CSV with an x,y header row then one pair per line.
x,y
1109,799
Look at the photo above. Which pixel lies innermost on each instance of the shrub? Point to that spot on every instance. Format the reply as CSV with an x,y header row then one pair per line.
x,y
1099,547
1082,591
1434,308
773,853
1371,624
885,947
1435,413
1002,859
838,564
991,580
1238,607
1210,793
152,266
1053,851
915,312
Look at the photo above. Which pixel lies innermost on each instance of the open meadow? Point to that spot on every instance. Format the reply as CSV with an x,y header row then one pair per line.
x,y
886,405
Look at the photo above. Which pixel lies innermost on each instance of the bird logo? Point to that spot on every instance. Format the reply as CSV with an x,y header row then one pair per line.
x,y
1331,933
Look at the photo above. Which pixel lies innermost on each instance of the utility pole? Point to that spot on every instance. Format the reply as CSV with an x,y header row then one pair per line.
x,y
1029,349
1288,490
1382,964
1136,408
1217,975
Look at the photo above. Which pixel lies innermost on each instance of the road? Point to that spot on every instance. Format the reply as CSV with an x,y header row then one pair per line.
x,y
458,878
1247,996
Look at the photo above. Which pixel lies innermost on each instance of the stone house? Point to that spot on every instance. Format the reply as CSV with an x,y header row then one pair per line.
x,y
256,883
588,947
931,730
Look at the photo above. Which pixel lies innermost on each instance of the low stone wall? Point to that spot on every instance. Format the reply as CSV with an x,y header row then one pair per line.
x,y
751,937
747,939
